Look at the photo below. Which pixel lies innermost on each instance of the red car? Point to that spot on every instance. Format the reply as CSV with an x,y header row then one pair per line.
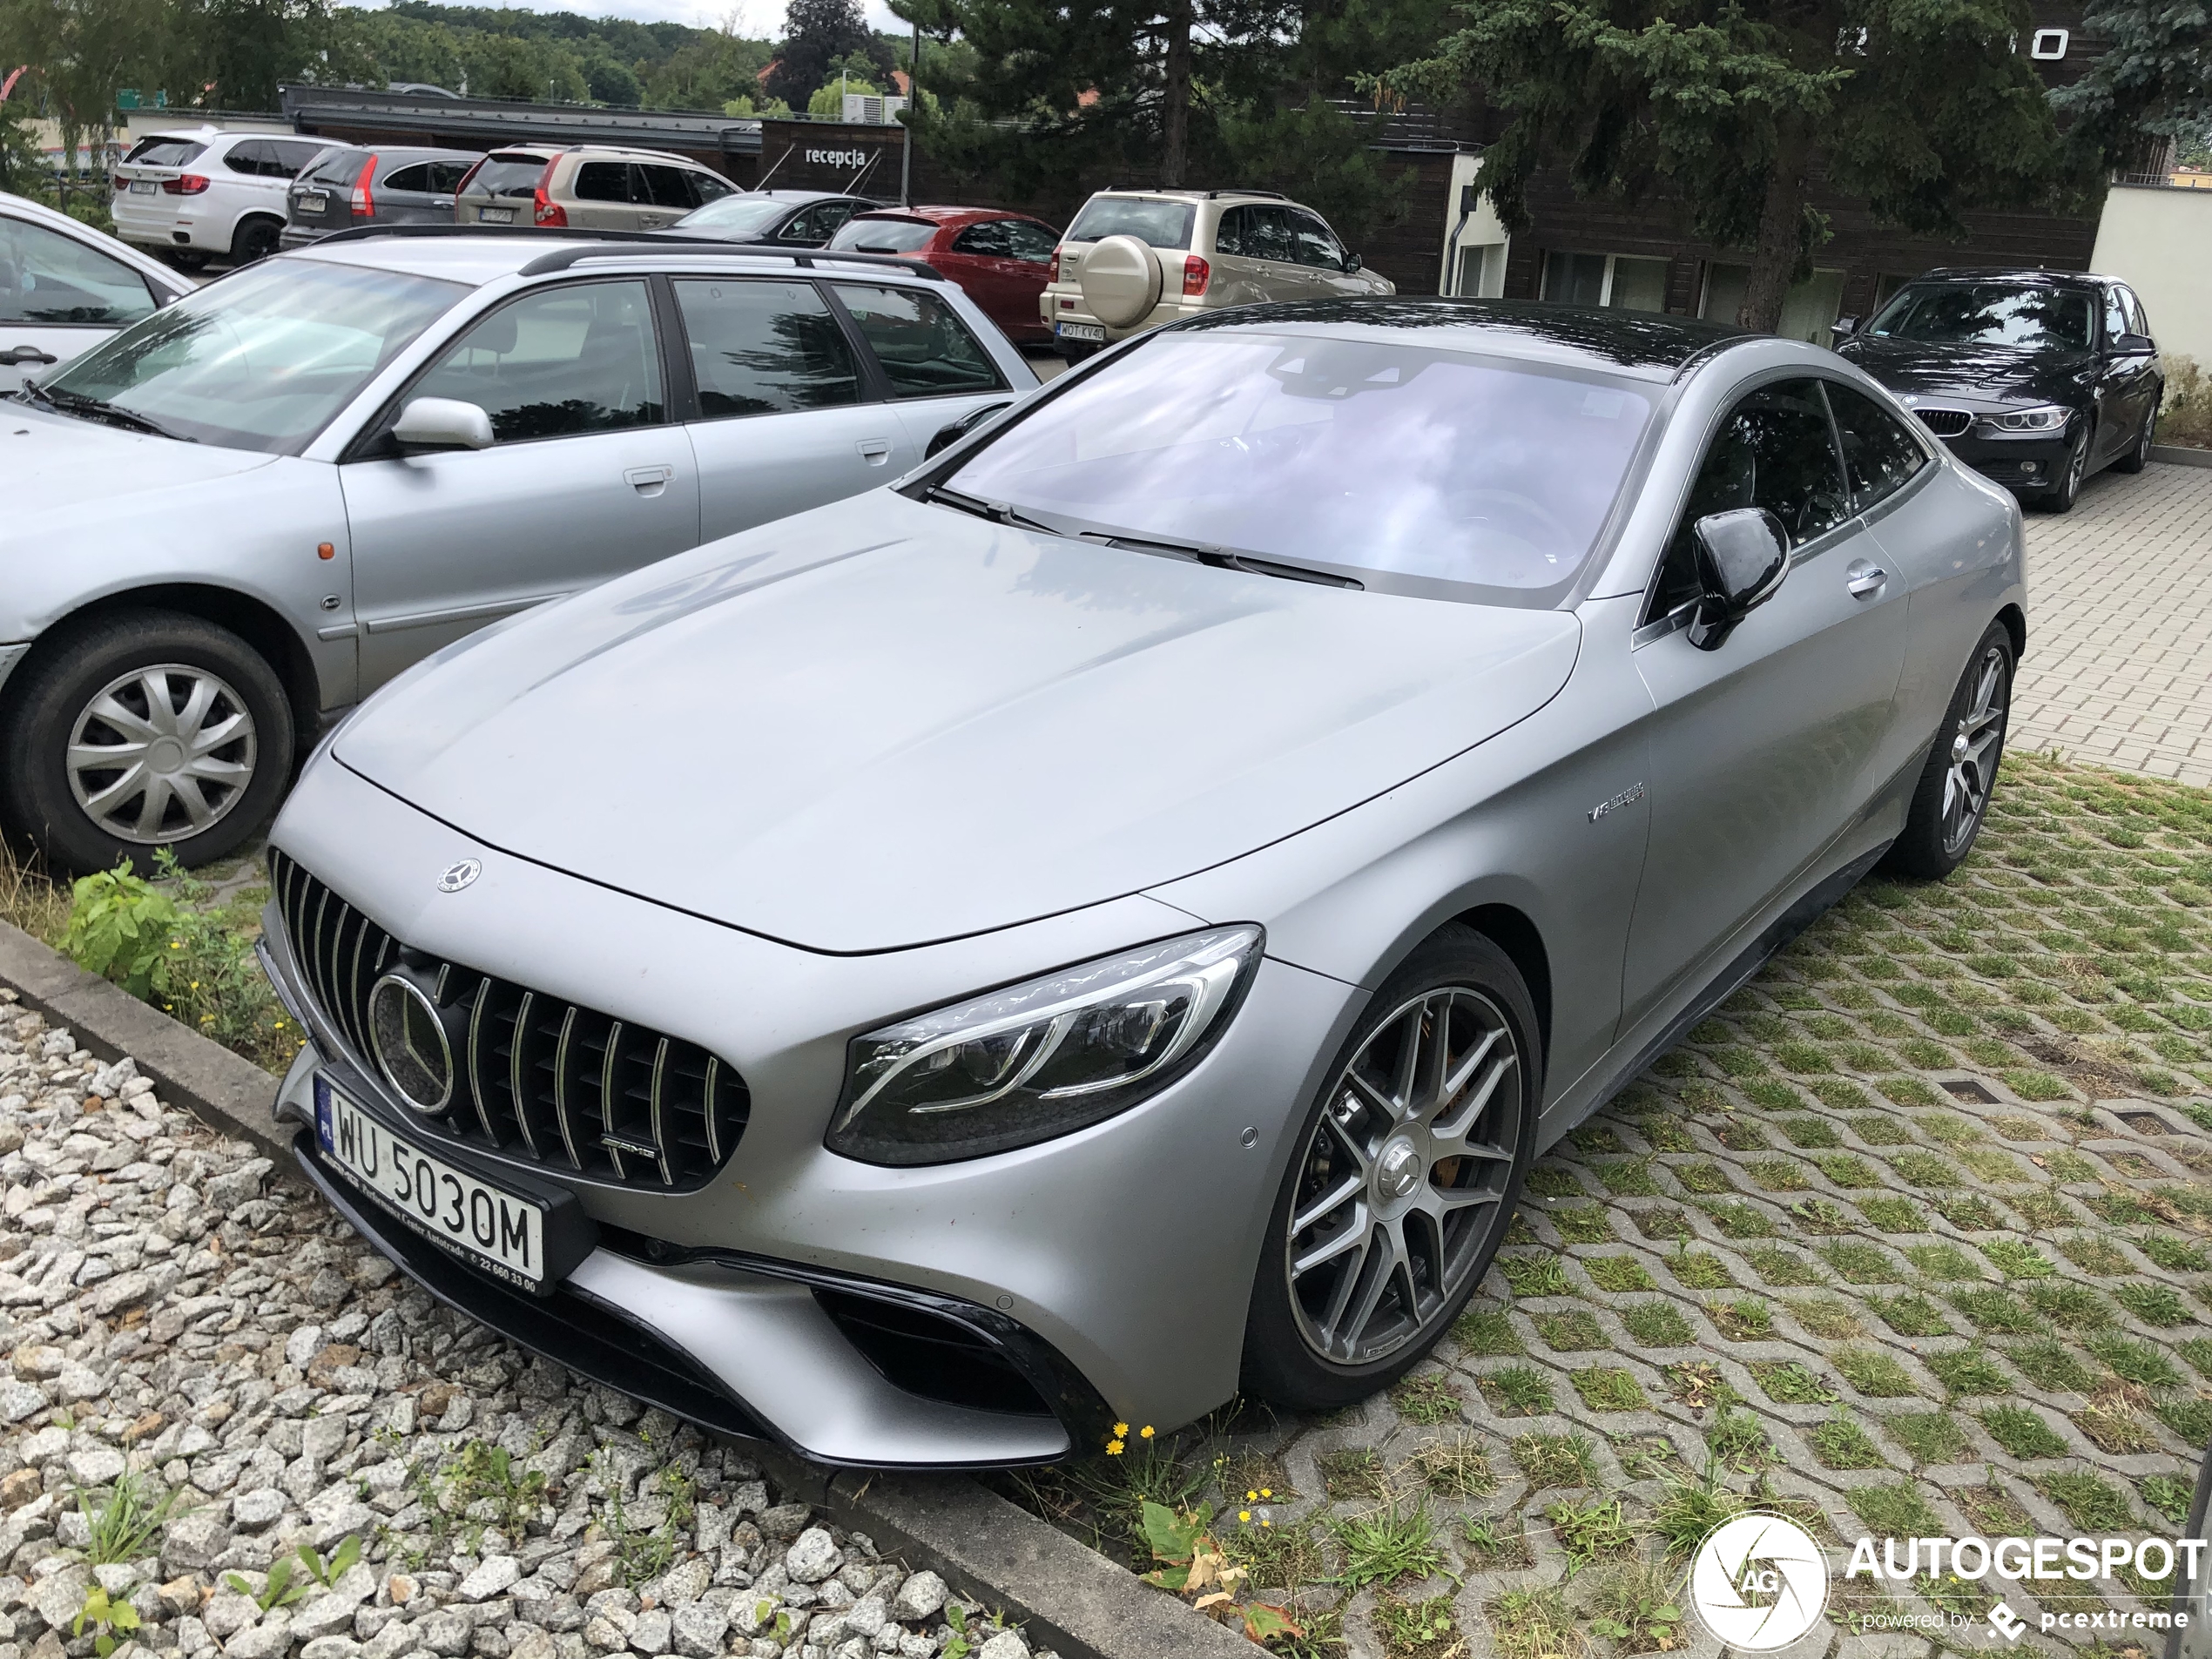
x,y
1002,259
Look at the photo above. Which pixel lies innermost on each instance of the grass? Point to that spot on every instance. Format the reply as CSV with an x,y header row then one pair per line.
x,y
1840,1443
1386,1546
1826,1317
2022,1433
1599,1528
1698,1270
2090,1502
1928,1437
1738,1440
2142,1363
1690,1508
1608,1388
1581,1223
1418,1629
1574,1331
1874,1373
1788,1383
1353,1472
1968,1374
1454,1467
1996,1311
1557,1460
1536,1622
1618,1273
1518,1390
1426,1399
1657,1324
2155,1304
2174,1255
1945,1262
1535,1276
2048,1363
1783,1268
1910,1315
1895,1510
1745,1319
1860,1262
125,1522
1637,1608
1488,1334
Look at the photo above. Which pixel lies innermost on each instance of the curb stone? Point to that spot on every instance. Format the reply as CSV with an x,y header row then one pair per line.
x,y
2175,456
1069,1597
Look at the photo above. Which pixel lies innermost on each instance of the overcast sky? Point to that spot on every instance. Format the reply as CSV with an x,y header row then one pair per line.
x,y
758,19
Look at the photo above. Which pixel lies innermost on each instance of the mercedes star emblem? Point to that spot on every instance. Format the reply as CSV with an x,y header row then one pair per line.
x,y
458,876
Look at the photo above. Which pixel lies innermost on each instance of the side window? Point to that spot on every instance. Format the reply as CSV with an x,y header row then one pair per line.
x,y
603,181
705,187
246,156
801,228
570,360
988,238
445,177
925,349
49,281
1230,235
416,178
1026,239
765,347
660,186
1774,450
1317,243
828,216
291,156
2115,318
2138,323
1267,235
1879,456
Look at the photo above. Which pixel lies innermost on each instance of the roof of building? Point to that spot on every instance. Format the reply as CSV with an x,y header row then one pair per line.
x,y
499,122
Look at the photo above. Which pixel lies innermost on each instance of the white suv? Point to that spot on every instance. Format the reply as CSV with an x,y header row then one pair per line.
x,y
209,193
1135,259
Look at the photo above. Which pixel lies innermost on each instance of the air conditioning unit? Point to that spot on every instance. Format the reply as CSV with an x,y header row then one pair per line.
x,y
866,109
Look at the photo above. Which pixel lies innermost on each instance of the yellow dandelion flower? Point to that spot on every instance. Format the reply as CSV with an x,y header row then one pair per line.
x,y
1145,1432
1266,1492
1244,1514
1265,1521
1113,1448
1119,1429
1251,1497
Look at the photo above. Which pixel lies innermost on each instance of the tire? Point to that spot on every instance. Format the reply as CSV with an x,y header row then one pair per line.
x,y
255,238
2068,490
1953,797
188,260
215,685
1352,1321
1074,351
2138,456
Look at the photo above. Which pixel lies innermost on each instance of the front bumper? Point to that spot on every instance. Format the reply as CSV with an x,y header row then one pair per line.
x,y
1112,1268
2028,465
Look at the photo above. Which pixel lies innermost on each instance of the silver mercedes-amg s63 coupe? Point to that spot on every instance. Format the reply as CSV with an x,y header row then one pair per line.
x,y
1107,920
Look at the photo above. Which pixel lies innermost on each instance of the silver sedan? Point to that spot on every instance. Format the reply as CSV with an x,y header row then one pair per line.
x,y
248,510
1109,921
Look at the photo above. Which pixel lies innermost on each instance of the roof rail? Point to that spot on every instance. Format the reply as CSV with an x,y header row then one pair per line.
x,y
560,258
1192,190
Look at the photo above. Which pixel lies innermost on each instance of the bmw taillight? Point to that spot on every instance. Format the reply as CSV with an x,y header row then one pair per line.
x,y
1195,274
546,211
364,195
121,184
190,183
1055,277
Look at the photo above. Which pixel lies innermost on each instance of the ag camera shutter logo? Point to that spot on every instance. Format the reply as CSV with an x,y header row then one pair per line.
x,y
1759,1582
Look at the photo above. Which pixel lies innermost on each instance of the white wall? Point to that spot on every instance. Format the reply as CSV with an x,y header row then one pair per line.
x,y
2159,242
1482,276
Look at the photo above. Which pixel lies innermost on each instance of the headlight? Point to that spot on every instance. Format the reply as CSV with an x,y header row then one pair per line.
x,y
2049,417
1020,1065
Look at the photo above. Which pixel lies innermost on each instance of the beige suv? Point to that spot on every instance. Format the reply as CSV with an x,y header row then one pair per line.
x,y
585,187
1135,259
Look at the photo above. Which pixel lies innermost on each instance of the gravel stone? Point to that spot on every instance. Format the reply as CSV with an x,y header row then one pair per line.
x,y
269,1639
496,1573
447,1631
921,1599
813,1557
1007,1644
698,1629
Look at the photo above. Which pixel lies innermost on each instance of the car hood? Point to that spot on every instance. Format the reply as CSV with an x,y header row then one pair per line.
x,y
881,723
56,468
1977,377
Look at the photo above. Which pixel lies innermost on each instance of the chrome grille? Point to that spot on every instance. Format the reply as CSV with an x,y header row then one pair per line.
x,y
1946,424
541,1079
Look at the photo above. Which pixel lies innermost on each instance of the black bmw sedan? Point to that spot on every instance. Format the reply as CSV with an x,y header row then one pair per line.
x,y
2035,378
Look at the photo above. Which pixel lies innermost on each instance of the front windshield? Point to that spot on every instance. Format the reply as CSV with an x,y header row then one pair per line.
x,y
1402,466
261,360
2025,316
737,216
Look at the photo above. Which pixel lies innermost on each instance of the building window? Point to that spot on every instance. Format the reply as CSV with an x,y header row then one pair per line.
x,y
1611,279
2049,44
1807,310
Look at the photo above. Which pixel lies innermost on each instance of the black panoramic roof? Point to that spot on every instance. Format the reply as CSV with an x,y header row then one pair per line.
x,y
1647,342
2008,273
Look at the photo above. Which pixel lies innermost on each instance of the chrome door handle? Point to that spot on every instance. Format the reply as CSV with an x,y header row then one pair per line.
x,y
1864,580
649,481
17,357
875,451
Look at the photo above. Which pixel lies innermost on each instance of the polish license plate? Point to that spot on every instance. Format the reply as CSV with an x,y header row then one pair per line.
x,y
498,216
142,186
314,204
1079,331
489,1229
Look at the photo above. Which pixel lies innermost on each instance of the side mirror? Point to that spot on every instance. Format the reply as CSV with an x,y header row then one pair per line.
x,y
443,423
2135,346
1843,327
952,434
1742,558
1353,262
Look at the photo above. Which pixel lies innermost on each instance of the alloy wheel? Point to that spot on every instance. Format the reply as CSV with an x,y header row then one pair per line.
x,y
1977,743
163,752
2077,465
1403,1177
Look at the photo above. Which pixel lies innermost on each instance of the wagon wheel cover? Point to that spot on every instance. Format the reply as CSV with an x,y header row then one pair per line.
x,y
1401,1182
1977,744
161,754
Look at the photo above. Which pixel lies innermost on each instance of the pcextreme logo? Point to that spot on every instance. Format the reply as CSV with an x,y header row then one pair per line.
x,y
1759,1582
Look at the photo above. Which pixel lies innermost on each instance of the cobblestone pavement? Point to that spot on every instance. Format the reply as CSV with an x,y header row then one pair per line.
x,y
1914,1238
213,1386
2119,669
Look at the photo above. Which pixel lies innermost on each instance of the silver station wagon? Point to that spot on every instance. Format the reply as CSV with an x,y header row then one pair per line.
x,y
258,503
1110,920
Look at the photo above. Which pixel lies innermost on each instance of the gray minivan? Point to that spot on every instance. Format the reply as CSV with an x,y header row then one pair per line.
x,y
381,186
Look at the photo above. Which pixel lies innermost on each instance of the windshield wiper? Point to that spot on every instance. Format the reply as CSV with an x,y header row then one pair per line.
x,y
99,408
1223,558
996,511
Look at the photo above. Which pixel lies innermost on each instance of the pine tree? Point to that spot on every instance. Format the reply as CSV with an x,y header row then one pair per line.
x,y
1725,108
2151,80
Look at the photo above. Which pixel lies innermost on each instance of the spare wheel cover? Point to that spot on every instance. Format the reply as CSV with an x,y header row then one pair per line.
x,y
1121,281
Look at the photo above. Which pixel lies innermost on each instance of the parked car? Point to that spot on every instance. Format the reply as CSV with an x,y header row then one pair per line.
x,y
2189,1608
64,287
254,506
788,217
1109,922
209,193
584,187
2035,378
1001,258
1135,259
386,186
